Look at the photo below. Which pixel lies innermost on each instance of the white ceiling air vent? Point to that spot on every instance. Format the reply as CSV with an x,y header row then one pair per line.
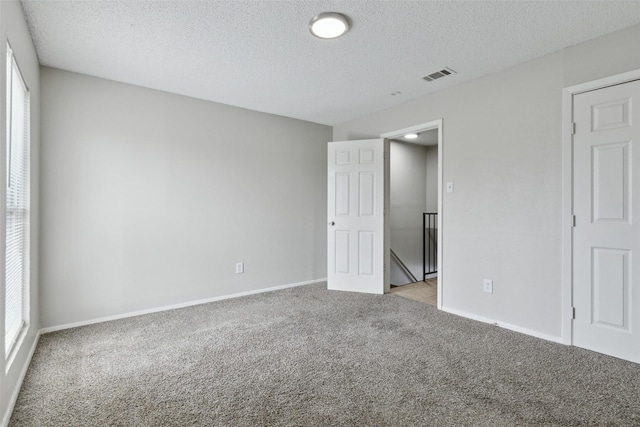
x,y
438,74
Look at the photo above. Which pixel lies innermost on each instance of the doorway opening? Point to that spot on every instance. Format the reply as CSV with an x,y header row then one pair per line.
x,y
415,206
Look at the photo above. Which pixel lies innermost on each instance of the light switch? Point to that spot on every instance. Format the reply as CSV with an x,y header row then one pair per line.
x,y
450,187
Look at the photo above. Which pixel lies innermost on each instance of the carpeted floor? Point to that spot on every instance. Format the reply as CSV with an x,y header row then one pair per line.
x,y
309,357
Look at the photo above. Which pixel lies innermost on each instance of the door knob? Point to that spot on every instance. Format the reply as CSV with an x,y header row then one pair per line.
x,y
332,223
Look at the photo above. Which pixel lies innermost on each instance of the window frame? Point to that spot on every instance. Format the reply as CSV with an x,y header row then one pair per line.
x,y
13,343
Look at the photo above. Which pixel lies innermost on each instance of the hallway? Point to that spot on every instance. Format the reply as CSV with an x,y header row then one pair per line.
x,y
426,292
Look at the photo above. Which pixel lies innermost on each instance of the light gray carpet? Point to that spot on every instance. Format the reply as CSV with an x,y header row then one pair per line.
x,y
309,357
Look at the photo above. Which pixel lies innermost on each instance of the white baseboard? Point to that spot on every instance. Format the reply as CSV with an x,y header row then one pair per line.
x,y
504,325
174,306
14,396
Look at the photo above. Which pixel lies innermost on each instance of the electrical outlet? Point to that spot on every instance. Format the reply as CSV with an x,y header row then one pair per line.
x,y
239,267
487,286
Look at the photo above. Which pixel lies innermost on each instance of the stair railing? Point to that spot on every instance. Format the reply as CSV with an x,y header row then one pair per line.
x,y
404,267
429,244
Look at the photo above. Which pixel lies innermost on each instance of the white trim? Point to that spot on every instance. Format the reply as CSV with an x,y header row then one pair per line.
x,y
509,326
16,346
567,218
440,238
435,124
604,82
14,396
567,189
412,129
174,306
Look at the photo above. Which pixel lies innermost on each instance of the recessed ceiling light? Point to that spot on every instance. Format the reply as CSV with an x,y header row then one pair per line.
x,y
411,136
329,25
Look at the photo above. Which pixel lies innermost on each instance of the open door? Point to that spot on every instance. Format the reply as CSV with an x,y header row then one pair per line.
x,y
357,231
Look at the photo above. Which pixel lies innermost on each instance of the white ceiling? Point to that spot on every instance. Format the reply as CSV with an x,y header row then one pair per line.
x,y
260,54
426,138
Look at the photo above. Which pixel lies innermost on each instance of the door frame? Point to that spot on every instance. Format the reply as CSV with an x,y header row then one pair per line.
x,y
435,124
567,189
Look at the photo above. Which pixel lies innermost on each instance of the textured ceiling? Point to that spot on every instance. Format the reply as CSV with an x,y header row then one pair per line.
x,y
260,55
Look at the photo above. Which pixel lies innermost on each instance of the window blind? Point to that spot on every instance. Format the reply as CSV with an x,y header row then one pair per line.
x,y
17,204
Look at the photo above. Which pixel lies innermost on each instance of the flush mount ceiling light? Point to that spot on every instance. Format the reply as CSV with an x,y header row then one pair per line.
x,y
329,25
411,136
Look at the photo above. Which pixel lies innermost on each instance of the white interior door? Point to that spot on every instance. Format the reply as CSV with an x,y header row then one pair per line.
x,y
356,233
606,240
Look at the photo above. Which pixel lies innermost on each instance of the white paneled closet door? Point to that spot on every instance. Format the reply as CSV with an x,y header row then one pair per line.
x,y
606,237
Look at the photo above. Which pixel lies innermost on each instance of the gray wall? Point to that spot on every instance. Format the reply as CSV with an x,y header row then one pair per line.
x,y
13,28
502,149
432,179
407,202
151,198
